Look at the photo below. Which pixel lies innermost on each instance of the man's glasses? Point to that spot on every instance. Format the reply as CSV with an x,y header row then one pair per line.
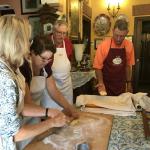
x,y
61,33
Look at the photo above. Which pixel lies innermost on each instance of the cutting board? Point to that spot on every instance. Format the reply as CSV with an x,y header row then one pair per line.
x,y
98,142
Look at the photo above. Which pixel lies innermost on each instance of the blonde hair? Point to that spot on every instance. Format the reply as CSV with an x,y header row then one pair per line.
x,y
14,39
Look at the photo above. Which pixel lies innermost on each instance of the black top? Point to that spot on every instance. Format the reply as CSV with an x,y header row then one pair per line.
x,y
25,69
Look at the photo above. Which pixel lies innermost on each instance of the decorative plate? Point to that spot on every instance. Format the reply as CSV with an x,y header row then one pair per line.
x,y
123,16
102,24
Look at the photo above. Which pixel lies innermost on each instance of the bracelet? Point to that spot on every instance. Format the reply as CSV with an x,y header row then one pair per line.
x,y
46,113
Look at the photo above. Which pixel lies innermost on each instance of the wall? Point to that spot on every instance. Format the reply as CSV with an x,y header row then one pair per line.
x,y
15,4
101,7
126,8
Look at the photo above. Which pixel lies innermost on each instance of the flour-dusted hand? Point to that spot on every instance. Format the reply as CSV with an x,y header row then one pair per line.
x,y
101,89
103,93
53,112
71,112
59,121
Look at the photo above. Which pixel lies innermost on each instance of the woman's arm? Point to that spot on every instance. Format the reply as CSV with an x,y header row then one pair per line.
x,y
59,98
28,131
30,109
10,121
33,110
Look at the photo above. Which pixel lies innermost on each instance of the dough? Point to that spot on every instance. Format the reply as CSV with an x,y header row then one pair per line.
x,y
103,93
74,122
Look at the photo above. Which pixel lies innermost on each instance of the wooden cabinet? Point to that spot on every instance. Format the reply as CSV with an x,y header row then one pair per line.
x,y
47,16
74,17
142,54
79,18
87,33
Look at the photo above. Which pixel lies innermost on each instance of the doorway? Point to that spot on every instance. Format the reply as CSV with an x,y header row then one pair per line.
x,y
87,33
142,54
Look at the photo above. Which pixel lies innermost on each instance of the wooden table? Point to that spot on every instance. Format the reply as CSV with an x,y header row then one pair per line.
x,y
99,141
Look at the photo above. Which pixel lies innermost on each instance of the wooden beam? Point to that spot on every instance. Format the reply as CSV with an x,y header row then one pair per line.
x,y
138,10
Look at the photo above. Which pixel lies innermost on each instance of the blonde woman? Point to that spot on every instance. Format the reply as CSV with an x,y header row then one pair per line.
x,y
14,45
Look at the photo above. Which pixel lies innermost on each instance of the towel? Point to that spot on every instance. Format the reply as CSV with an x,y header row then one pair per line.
x,y
108,111
116,105
112,102
138,100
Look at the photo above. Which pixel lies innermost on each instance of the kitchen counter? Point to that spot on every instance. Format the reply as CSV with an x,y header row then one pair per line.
x,y
80,78
128,134
83,83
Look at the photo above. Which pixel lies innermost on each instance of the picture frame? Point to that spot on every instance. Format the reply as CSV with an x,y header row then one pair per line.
x,y
30,6
74,18
36,25
48,28
97,41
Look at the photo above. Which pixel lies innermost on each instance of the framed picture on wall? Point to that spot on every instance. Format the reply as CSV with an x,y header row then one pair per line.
x,y
36,26
30,6
97,41
48,28
74,18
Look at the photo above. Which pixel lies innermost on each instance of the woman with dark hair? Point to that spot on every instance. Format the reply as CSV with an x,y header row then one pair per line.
x,y
38,73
